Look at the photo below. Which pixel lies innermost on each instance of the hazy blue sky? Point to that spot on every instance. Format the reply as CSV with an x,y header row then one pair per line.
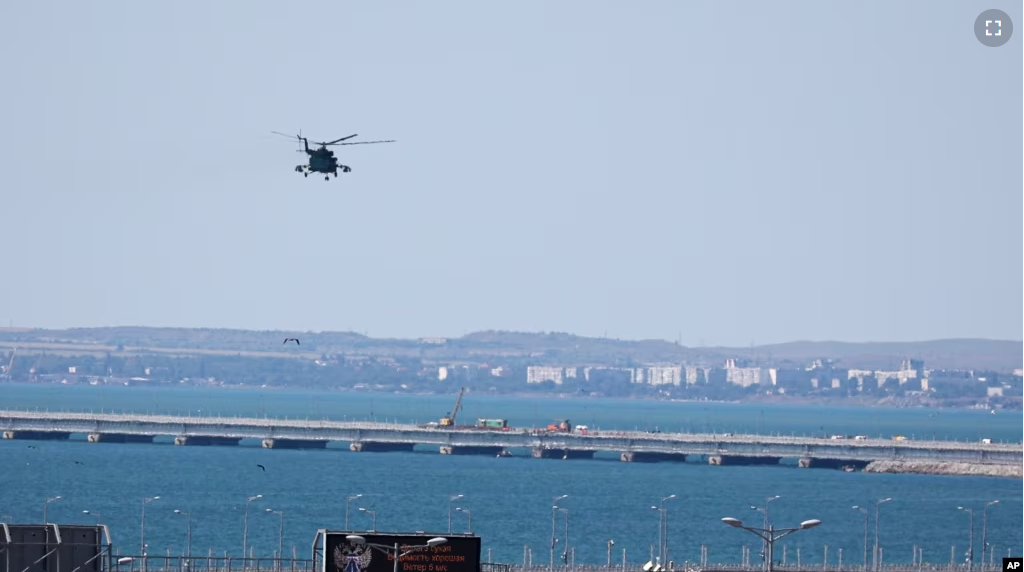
x,y
731,172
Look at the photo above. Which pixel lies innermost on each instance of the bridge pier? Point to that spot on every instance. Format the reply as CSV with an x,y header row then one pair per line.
x,y
648,457
471,450
37,435
817,463
200,441
738,460
293,444
381,447
545,453
118,438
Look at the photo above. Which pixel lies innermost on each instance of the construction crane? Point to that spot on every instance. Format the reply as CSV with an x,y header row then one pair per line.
x,y
449,419
10,364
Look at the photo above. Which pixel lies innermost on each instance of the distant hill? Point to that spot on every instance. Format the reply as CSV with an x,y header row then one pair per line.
x,y
533,348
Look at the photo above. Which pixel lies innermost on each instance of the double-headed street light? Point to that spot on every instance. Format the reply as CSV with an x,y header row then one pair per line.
x,y
451,499
970,549
348,501
373,516
46,506
396,550
245,526
469,514
764,513
554,513
142,525
95,515
769,534
188,530
874,557
280,533
866,514
984,531
663,529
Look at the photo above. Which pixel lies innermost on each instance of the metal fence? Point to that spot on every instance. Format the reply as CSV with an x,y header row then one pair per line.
x,y
151,563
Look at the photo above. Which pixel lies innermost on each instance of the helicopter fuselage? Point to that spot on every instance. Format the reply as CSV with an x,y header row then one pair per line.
x,y
322,160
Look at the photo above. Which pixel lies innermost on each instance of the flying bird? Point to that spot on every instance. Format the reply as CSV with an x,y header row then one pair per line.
x,y
262,467
296,340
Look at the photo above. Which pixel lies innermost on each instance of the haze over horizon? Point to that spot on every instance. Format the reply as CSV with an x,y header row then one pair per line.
x,y
606,169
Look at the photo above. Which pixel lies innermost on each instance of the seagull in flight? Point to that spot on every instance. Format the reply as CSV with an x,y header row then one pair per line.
x,y
262,467
296,340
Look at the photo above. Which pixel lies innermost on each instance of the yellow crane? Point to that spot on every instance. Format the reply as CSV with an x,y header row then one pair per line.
x,y
449,419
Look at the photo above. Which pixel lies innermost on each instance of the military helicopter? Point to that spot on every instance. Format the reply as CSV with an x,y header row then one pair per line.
x,y
322,159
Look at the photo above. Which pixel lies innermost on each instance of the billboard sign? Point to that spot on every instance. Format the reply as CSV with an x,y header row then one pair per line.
x,y
460,554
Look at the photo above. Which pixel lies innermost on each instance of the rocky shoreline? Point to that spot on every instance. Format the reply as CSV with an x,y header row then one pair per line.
x,y
952,469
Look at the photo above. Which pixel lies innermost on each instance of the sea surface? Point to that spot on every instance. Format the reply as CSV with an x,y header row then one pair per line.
x,y
509,499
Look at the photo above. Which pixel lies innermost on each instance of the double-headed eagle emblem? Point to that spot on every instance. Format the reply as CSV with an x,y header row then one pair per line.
x,y
351,557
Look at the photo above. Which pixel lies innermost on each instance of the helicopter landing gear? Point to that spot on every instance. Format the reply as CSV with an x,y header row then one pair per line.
x,y
305,174
327,178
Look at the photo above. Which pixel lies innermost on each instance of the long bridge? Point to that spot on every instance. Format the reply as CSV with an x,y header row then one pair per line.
x,y
632,446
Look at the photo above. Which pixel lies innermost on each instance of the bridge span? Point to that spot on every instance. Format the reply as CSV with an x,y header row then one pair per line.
x,y
631,446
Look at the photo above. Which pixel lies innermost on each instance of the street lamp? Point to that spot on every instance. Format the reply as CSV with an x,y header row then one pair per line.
x,y
764,516
554,513
245,526
866,515
451,499
95,515
468,514
984,530
970,549
875,554
610,544
188,530
373,516
348,501
280,533
142,526
663,530
565,545
395,551
769,534
46,506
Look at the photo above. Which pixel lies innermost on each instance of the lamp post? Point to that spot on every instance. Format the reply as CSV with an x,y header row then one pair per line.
x,y
984,531
46,506
663,530
469,514
565,545
451,499
95,515
611,543
395,551
764,517
348,501
142,525
188,530
245,526
865,512
769,534
373,516
280,533
875,554
970,549
554,513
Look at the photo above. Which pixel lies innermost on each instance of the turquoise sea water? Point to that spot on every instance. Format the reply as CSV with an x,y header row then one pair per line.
x,y
510,498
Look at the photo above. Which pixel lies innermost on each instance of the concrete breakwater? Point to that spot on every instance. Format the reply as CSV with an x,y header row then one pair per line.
x,y
946,468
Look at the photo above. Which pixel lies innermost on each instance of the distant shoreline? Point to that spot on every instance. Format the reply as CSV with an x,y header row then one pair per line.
x,y
855,402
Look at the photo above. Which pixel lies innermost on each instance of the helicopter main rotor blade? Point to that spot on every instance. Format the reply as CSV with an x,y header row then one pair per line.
x,y
285,135
363,142
338,140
